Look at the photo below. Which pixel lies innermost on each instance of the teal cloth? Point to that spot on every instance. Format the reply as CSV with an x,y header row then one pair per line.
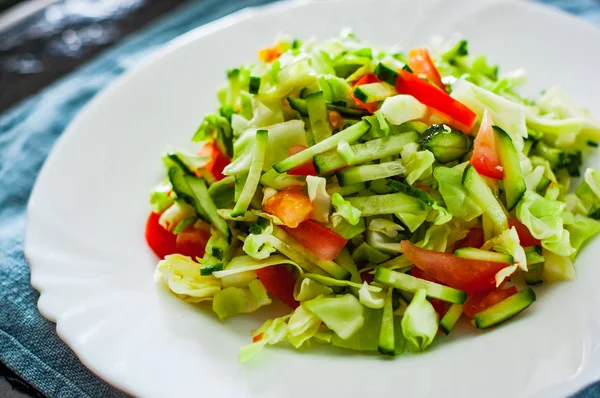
x,y
28,343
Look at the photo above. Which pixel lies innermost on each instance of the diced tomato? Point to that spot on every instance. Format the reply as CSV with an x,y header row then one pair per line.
x,y
320,240
305,169
485,158
217,162
438,305
454,113
291,206
472,276
525,237
270,54
336,120
161,241
279,282
474,238
366,79
258,337
420,62
479,302
192,242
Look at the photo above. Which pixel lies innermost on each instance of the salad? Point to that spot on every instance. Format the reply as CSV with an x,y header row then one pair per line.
x,y
381,195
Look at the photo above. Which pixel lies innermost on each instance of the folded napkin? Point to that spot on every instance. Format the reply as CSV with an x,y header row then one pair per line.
x,y
28,342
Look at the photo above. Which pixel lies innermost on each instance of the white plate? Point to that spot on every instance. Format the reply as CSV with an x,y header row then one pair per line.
x,y
90,262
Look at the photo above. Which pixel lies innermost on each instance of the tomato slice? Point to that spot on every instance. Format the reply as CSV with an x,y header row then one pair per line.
x,y
420,62
161,241
479,302
366,79
192,242
485,158
438,305
270,54
454,113
322,241
291,206
305,169
217,162
525,237
279,282
474,238
472,276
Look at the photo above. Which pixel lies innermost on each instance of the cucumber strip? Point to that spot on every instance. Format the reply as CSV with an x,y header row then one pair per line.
x,y
505,309
534,275
211,265
347,190
329,281
370,150
446,145
357,174
184,191
254,85
290,252
411,284
387,204
258,159
280,181
188,163
514,183
240,181
349,134
348,113
317,113
200,190
533,254
397,186
387,343
222,192
451,317
373,92
326,265
299,105
246,105
386,74
473,253
483,196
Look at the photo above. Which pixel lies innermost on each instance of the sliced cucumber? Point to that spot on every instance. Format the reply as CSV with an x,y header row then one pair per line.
x,y
240,181
200,190
254,85
397,186
484,197
387,343
386,74
357,174
349,134
533,254
347,190
535,274
445,144
184,191
472,253
411,284
373,92
251,183
319,119
299,105
370,150
514,183
505,309
451,317
326,265
387,204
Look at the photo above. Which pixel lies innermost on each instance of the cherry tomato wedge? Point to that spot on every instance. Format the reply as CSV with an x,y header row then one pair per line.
x,y
366,79
480,302
420,62
217,162
474,238
279,282
322,241
454,113
291,206
192,242
485,157
306,169
472,276
161,241
525,237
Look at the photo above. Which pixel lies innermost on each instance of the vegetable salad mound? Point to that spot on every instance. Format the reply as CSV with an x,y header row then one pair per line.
x,y
381,195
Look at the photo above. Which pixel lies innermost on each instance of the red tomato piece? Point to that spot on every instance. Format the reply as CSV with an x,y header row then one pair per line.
x,y
192,242
279,282
474,239
479,302
456,114
291,206
218,161
472,276
306,169
485,157
366,79
161,241
322,241
420,62
525,237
